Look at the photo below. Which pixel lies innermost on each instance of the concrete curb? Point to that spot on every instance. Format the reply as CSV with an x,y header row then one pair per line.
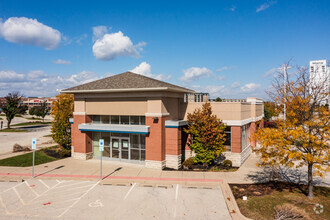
x,y
232,206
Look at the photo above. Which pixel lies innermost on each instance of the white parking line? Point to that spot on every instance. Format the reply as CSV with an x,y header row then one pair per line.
x,y
129,191
18,195
13,187
26,182
70,189
176,199
70,185
44,184
78,200
3,204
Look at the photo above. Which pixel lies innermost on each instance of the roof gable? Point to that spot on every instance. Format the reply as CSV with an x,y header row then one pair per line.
x,y
125,81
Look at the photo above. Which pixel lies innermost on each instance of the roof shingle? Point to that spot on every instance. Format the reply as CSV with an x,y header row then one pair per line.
x,y
127,80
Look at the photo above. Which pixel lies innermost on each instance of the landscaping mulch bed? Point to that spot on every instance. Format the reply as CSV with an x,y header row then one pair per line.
x,y
202,168
265,198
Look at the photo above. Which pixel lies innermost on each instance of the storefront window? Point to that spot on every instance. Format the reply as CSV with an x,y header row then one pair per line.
x,y
124,120
227,143
135,120
96,119
115,119
105,119
96,138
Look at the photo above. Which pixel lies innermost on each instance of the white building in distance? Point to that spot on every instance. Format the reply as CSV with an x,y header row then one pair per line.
x,y
319,74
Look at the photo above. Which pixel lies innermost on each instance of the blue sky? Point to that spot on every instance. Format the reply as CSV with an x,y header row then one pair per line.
x,y
222,47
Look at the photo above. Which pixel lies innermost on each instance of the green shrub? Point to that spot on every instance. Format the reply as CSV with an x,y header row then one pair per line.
x,y
65,153
227,163
189,162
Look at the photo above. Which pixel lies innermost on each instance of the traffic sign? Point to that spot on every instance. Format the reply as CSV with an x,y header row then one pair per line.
x,y
101,144
34,143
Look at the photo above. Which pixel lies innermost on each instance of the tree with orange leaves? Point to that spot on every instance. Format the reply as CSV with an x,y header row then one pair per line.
x,y
302,140
207,133
62,111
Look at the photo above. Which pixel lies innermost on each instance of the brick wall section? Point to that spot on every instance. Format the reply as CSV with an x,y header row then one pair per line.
x,y
261,123
173,141
253,128
81,141
155,141
236,139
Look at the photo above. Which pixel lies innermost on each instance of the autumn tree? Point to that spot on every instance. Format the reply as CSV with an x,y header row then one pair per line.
x,y
302,140
62,111
42,111
12,106
207,132
270,110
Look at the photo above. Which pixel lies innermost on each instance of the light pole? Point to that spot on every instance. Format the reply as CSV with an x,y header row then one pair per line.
x,y
285,68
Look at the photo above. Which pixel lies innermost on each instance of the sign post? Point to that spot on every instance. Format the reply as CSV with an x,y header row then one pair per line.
x,y
101,148
34,146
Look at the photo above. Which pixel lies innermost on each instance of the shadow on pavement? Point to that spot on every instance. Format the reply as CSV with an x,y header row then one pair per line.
x,y
56,168
116,170
286,174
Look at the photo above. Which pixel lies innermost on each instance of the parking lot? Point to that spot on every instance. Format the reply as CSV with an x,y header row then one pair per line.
x,y
68,199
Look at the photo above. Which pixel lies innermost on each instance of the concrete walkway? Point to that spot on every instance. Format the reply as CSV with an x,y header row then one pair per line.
x,y
120,172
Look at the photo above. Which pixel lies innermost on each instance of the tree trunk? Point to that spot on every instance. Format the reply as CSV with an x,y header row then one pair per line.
x,y
8,124
310,181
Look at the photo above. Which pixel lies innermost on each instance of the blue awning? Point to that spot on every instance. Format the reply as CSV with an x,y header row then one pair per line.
x,y
135,129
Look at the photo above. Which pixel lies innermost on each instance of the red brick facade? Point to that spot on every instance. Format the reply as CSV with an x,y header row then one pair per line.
x,y
155,141
236,139
81,140
173,141
253,128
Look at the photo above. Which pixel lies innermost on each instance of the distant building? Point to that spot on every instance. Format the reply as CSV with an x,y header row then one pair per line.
x,y
36,101
196,97
319,74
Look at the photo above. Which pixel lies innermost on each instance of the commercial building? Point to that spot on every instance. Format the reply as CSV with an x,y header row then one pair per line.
x,y
320,78
36,101
141,121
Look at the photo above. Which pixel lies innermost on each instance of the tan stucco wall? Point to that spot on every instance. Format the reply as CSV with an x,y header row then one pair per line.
x,y
79,105
224,110
172,106
115,106
228,110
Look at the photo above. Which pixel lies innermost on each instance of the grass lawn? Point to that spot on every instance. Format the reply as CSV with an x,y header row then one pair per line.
x,y
13,130
263,198
25,160
44,155
31,123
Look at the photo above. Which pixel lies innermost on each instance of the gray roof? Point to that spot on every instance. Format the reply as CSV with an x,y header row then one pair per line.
x,y
125,81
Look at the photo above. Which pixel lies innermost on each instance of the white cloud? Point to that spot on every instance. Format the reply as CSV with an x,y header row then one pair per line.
x,y
250,87
270,72
225,68
145,69
83,77
195,73
100,31
24,30
265,5
60,61
113,45
38,83
233,8
221,77
235,84
80,39
35,74
10,76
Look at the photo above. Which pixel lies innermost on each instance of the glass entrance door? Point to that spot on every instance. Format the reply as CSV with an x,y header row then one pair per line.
x,y
115,148
120,148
